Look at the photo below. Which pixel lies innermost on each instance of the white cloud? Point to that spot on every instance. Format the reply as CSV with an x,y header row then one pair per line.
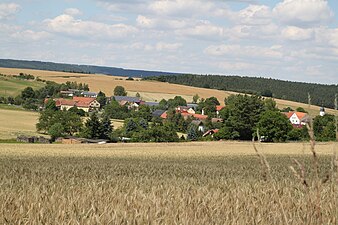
x,y
204,30
89,29
72,12
29,35
162,46
165,23
297,34
253,15
180,7
303,12
245,51
8,9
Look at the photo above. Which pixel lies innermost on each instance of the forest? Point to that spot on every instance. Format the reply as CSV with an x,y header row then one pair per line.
x,y
321,95
74,68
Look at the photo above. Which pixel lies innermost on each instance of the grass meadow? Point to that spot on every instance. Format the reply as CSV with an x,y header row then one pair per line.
x,y
178,183
13,86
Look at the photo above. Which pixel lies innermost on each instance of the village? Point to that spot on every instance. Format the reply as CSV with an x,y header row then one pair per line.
x,y
204,119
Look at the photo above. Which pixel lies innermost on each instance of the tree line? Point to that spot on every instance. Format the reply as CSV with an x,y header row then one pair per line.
x,y
322,95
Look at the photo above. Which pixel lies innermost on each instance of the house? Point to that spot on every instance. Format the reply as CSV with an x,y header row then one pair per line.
x,y
297,119
322,111
218,109
150,104
185,109
192,105
210,132
158,113
89,94
199,124
127,99
131,102
84,103
67,93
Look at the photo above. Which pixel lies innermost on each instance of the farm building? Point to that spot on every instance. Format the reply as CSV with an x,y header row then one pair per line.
x,y
84,103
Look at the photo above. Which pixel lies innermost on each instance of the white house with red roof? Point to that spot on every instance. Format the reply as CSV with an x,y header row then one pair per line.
x,y
85,103
298,118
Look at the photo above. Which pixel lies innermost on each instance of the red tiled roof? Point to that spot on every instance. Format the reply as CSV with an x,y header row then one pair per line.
x,y
164,115
62,101
219,107
300,115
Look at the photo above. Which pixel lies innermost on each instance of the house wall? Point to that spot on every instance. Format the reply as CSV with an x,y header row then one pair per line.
x,y
95,104
294,119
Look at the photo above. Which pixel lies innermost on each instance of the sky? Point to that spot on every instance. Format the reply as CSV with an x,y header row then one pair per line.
x,y
293,40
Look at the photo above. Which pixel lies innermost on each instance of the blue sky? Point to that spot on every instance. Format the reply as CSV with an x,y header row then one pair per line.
x,y
285,39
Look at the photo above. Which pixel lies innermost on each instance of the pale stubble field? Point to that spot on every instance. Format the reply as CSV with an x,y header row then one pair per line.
x,y
174,183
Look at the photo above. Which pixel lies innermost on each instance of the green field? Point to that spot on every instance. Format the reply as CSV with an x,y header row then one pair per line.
x,y
190,183
10,86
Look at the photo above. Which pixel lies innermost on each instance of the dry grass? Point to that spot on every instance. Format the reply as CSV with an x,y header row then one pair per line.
x,y
150,90
187,183
14,123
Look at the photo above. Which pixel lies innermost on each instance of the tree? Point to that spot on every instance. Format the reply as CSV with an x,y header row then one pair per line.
x,y
195,98
120,91
92,127
176,101
192,132
138,95
71,122
270,104
56,131
242,114
77,111
274,126
130,126
106,128
27,93
101,98
301,109
267,93
115,111
324,128
51,105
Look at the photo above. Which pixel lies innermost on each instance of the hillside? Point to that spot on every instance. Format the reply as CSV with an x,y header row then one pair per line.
x,y
321,95
10,86
88,69
149,90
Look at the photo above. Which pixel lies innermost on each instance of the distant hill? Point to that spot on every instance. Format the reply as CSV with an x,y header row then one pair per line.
x,y
321,95
62,67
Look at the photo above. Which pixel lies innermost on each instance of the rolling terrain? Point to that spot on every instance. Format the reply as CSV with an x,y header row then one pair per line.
x,y
149,90
10,86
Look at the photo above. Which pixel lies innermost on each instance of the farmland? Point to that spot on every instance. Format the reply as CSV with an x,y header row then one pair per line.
x,y
16,122
179,183
149,90
12,86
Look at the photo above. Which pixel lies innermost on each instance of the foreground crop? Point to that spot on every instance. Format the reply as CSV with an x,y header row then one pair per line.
x,y
126,188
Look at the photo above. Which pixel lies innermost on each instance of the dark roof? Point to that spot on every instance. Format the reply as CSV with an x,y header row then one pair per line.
x,y
158,112
151,103
88,93
126,98
192,105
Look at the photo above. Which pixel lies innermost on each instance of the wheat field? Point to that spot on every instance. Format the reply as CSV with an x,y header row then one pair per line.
x,y
149,90
179,183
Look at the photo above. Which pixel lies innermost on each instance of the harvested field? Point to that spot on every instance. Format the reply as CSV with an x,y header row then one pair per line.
x,y
16,122
150,90
181,183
